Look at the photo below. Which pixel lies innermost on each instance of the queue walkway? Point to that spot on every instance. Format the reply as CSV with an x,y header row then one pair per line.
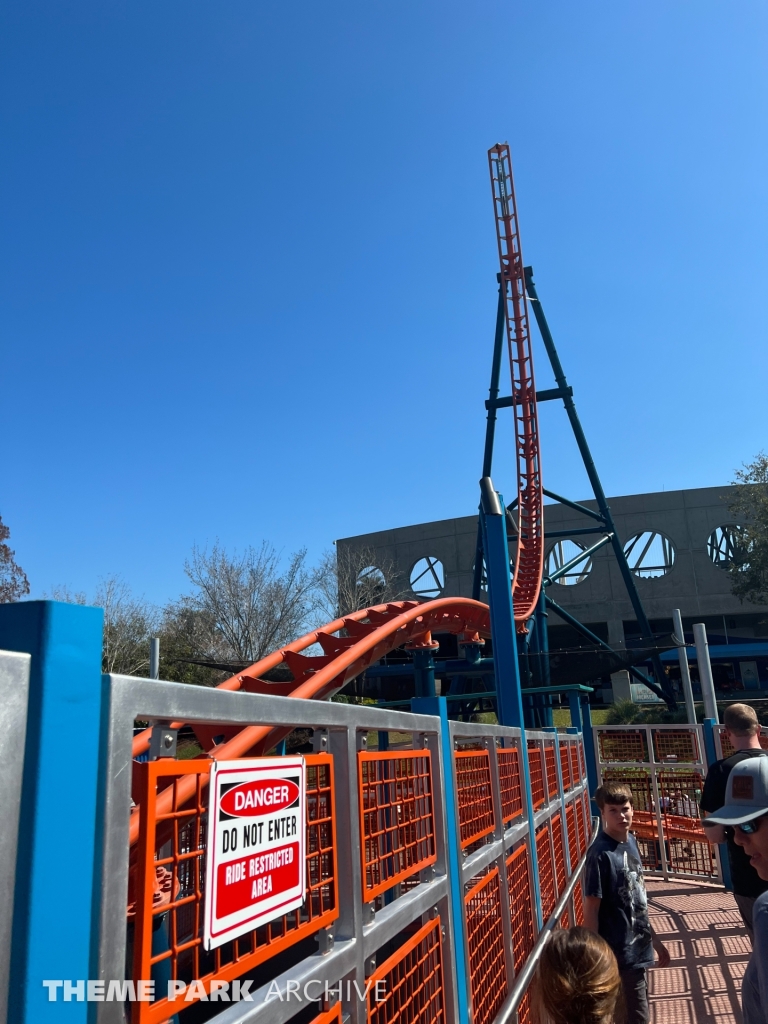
x,y
701,927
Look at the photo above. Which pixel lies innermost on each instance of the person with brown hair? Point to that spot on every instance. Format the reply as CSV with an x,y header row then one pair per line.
x,y
743,730
577,980
615,903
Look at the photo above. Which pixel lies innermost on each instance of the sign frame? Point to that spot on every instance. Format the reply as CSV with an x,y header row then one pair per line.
x,y
260,851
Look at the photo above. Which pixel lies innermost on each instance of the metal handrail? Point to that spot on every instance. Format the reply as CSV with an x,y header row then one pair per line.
x,y
523,979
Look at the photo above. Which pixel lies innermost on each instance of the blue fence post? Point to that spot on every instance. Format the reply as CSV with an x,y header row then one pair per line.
x,y
439,706
590,755
55,915
711,755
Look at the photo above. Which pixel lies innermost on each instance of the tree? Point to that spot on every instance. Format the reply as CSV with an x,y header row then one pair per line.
x,y
350,579
129,624
749,502
246,605
13,580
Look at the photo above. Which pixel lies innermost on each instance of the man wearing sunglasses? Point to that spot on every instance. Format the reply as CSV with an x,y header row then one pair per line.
x,y
743,730
744,817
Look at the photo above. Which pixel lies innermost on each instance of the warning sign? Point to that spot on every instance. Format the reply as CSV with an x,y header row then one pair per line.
x,y
255,861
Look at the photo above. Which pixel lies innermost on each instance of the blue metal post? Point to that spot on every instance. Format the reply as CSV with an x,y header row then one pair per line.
x,y
574,703
509,705
424,670
589,743
55,915
439,706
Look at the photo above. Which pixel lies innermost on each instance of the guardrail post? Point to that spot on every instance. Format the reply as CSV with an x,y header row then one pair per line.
x,y
14,692
438,706
55,916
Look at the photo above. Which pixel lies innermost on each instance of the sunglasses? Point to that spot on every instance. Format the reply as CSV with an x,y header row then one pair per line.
x,y
748,828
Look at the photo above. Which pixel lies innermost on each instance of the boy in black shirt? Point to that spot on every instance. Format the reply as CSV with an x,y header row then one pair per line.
x,y
743,730
616,906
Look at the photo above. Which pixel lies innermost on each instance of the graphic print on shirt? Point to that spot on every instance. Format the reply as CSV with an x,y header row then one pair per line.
x,y
631,893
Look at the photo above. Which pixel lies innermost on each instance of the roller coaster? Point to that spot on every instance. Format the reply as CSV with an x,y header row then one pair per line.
x,y
356,641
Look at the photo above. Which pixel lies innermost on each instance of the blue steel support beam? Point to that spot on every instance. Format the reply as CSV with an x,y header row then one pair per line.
x,y
55,916
640,676
594,479
509,705
490,427
424,671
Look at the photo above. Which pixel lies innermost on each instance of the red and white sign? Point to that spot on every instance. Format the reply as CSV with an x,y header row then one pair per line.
x,y
255,861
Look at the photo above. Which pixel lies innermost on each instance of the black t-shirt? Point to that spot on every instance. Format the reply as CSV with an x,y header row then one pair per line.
x,y
746,881
614,873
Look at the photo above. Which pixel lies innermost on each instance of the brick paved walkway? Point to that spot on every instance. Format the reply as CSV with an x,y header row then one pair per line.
x,y
702,929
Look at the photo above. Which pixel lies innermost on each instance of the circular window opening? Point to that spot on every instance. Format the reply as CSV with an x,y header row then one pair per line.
x,y
560,555
370,586
427,577
727,546
649,554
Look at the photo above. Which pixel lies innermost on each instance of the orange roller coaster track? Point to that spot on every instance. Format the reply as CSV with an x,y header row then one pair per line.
x,y
371,633
529,561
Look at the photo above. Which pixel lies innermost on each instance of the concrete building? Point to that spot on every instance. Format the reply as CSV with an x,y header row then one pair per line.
x,y
677,544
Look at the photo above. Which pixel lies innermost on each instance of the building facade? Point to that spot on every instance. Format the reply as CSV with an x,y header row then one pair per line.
x,y
678,544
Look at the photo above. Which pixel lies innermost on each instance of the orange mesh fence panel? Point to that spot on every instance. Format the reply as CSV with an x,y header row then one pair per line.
x,y
521,914
551,765
675,745
560,873
638,781
485,942
396,815
565,765
574,846
546,871
689,858
179,875
622,745
688,852
650,852
575,763
581,831
412,982
586,819
536,772
578,904
510,784
728,748
473,784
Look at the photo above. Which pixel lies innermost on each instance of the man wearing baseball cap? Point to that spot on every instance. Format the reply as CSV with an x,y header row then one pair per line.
x,y
744,816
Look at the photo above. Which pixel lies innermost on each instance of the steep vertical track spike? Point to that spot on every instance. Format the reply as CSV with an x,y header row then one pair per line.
x,y
529,559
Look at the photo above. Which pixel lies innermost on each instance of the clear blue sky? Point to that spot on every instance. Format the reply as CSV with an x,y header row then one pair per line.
x,y
248,261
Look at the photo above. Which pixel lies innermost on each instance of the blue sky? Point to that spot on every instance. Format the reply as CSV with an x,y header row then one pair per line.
x,y
248,262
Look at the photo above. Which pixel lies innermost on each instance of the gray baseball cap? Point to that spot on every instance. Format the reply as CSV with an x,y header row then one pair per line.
x,y
746,795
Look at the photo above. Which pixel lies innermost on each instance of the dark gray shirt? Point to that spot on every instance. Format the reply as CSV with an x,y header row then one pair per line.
x,y
614,873
754,987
